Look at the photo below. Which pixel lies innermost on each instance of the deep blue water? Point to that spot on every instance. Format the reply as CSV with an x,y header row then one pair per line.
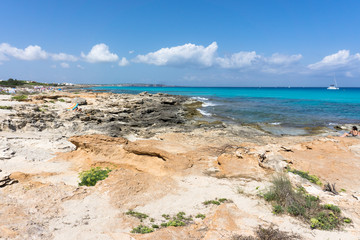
x,y
288,107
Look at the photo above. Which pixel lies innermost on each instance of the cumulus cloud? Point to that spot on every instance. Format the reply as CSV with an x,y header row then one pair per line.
x,y
187,54
123,62
100,53
238,60
63,57
337,60
64,65
79,66
29,53
280,59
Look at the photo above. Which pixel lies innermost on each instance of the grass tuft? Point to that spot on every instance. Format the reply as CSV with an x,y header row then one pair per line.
x,y
306,175
20,97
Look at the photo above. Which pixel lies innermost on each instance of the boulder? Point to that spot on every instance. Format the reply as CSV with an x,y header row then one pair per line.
x,y
80,101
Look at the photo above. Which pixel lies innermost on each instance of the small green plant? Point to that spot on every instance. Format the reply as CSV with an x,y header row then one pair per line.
x,y
138,215
142,229
61,100
202,216
92,176
306,175
333,208
20,97
155,226
176,221
342,190
6,107
257,188
277,209
347,220
211,202
216,201
52,101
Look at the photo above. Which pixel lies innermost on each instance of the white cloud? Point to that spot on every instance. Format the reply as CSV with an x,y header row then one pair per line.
x,y
64,65
238,60
100,53
29,53
131,51
123,62
53,66
181,55
63,57
337,60
280,59
79,66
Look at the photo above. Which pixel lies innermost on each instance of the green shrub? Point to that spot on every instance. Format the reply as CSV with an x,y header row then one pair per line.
x,y
20,97
301,204
325,221
211,202
6,107
61,100
216,201
311,178
347,220
202,216
155,226
277,209
92,176
333,208
142,229
176,221
138,215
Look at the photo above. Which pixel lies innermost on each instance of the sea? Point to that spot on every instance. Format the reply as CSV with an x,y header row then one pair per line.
x,y
281,111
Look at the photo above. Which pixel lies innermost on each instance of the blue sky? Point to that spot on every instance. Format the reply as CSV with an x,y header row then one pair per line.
x,y
191,43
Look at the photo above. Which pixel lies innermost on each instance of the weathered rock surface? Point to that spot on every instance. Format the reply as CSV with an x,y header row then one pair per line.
x,y
176,170
111,114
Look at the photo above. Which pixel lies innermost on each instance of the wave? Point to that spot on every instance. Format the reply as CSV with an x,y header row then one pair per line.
x,y
200,99
204,112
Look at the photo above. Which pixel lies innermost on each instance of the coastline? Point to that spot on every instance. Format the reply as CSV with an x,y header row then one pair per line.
x,y
165,160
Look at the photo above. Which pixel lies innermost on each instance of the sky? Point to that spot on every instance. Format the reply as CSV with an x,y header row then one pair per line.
x,y
247,43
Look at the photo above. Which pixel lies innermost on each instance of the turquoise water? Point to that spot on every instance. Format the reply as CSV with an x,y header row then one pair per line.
x,y
288,107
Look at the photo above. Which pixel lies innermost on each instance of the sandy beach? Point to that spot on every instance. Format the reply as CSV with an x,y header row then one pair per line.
x,y
164,159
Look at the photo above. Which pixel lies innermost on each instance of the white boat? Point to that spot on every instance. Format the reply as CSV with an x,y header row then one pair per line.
x,y
333,86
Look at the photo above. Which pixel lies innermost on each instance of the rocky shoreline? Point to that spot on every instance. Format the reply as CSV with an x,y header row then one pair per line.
x,y
165,160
